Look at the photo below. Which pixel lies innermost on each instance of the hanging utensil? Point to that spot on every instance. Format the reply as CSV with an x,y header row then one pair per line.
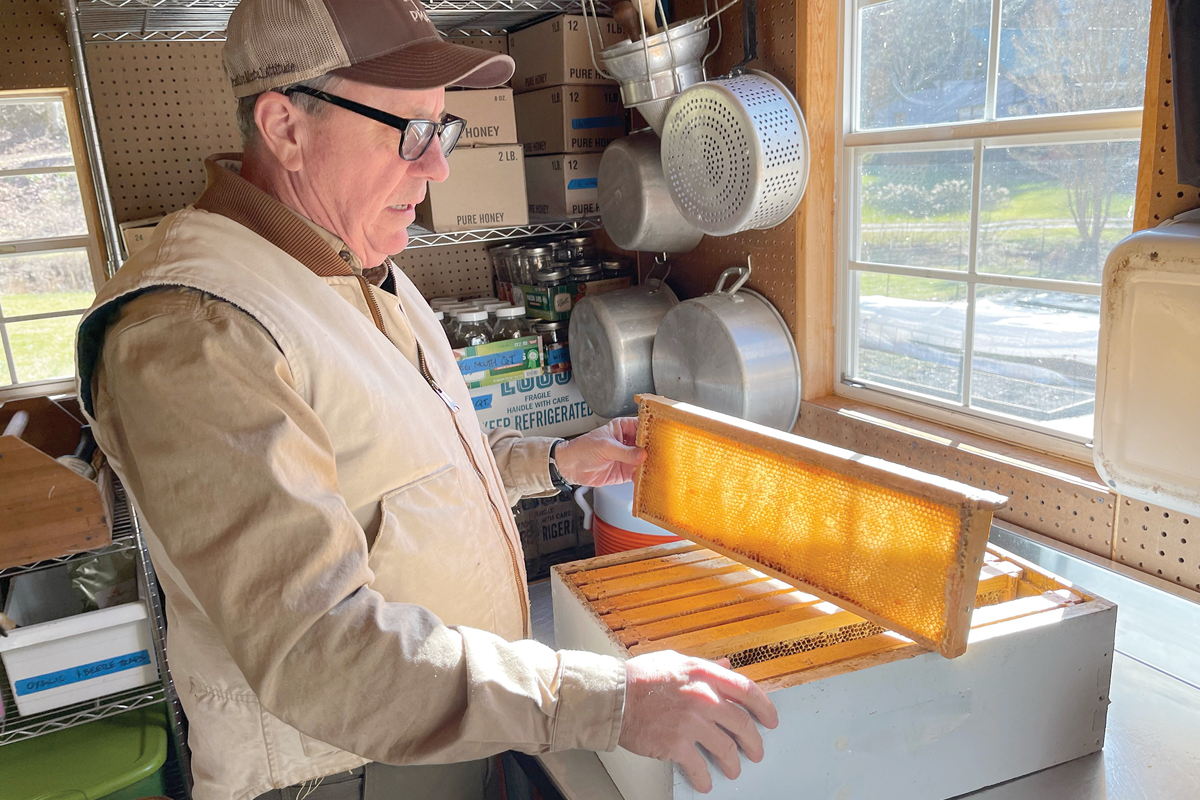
x,y
735,149
730,351
635,206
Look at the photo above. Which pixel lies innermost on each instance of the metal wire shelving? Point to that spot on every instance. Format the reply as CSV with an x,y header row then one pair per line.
x,y
205,20
419,237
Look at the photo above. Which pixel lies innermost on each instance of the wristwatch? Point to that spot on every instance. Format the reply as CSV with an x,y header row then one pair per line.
x,y
556,477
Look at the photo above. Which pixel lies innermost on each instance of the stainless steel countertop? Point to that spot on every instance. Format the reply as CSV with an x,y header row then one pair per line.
x,y
1152,746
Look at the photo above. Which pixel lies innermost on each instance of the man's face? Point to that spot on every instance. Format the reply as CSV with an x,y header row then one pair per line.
x,y
353,171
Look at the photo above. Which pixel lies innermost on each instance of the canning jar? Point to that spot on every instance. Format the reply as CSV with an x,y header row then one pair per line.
x,y
554,276
579,247
613,268
554,342
583,271
510,323
501,261
472,330
533,259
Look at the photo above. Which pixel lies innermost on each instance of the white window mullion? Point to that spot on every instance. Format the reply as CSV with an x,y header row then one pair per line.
x,y
8,356
993,65
972,265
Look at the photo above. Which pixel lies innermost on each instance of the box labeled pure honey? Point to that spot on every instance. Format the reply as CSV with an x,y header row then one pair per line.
x,y
486,189
563,186
556,51
569,119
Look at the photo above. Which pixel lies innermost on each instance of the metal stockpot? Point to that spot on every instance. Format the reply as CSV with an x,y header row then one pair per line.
x,y
612,344
730,351
635,204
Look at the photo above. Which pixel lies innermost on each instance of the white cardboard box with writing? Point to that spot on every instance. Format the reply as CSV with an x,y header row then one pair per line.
x,y
548,405
556,51
563,186
569,119
486,189
489,114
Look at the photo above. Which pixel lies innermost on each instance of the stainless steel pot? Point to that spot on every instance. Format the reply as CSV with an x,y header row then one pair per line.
x,y
612,342
730,351
635,203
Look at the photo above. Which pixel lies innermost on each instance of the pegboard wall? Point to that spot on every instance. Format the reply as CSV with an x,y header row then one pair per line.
x,y
1159,196
162,108
1158,541
33,46
449,271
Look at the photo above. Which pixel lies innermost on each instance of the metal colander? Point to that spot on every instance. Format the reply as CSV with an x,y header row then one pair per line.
x,y
735,153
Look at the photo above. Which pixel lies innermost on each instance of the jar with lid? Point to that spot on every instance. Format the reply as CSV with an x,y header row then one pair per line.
x,y
579,247
553,276
613,268
554,342
583,271
510,323
501,260
533,259
472,330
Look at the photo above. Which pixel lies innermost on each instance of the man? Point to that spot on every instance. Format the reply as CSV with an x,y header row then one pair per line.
x,y
332,531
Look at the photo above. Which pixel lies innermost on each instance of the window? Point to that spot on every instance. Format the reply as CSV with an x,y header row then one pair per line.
x,y
990,160
46,253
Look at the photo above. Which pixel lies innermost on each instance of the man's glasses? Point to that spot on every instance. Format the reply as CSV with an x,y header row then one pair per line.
x,y
415,134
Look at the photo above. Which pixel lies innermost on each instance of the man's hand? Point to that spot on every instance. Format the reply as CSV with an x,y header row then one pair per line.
x,y
604,456
674,703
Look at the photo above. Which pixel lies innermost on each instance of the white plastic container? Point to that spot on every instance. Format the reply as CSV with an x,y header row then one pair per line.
x,y
65,661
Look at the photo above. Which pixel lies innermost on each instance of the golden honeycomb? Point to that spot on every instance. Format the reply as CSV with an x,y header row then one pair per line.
x,y
874,540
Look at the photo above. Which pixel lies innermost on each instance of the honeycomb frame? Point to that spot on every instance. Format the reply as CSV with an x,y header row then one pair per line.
x,y
881,527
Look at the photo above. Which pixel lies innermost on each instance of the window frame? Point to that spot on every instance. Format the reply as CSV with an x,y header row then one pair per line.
x,y
973,136
89,242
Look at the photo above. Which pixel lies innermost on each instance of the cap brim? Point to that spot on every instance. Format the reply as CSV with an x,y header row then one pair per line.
x,y
432,63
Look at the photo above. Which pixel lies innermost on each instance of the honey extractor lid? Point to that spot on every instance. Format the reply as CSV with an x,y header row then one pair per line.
x,y
1146,440
899,547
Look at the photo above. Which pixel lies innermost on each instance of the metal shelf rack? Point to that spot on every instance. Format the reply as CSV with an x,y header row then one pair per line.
x,y
419,237
205,20
126,536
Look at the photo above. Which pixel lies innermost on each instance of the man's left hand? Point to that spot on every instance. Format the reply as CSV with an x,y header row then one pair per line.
x,y
604,456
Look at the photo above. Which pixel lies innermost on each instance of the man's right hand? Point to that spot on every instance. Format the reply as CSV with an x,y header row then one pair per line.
x,y
674,703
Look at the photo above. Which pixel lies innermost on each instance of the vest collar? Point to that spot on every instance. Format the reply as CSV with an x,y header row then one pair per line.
x,y
232,196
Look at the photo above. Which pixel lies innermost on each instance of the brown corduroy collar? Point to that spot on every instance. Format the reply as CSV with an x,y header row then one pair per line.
x,y
232,196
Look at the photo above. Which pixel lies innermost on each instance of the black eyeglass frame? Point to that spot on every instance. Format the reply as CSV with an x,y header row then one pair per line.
x,y
449,122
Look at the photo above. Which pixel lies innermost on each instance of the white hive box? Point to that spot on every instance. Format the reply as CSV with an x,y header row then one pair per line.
x,y
863,712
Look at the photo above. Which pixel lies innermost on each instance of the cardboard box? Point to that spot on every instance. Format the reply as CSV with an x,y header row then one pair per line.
x,y
486,189
556,302
569,119
556,51
136,233
489,114
563,186
500,362
548,405
552,532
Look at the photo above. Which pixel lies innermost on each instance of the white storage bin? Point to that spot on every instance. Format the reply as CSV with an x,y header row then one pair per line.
x,y
65,661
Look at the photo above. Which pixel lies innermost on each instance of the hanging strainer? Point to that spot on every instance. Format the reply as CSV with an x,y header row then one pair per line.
x,y
735,149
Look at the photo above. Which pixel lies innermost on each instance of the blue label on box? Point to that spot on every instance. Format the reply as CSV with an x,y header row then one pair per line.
x,y
483,401
504,360
588,123
84,672
581,183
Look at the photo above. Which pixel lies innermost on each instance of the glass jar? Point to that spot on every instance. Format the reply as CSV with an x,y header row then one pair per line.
x,y
583,271
554,342
533,259
554,276
579,247
472,330
440,303
510,323
501,261
613,268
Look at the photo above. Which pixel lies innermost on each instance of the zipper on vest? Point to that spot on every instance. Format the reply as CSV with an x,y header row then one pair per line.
x,y
423,365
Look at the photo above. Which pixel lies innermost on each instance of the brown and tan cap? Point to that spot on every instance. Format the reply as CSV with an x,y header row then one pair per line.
x,y
273,43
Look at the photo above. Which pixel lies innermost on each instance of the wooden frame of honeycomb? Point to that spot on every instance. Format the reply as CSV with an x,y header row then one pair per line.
x,y
898,548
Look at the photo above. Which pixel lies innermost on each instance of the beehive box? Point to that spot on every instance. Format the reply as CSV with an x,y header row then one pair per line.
x,y
864,712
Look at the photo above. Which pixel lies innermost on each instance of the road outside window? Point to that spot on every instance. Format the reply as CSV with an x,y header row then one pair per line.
x,y
45,275
991,162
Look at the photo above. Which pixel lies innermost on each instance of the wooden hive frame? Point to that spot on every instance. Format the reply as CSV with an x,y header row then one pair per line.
x,y
930,603
684,597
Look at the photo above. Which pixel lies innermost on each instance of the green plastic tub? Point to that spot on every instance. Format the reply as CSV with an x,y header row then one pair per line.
x,y
119,758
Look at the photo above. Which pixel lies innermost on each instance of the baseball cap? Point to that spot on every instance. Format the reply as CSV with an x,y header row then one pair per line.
x,y
273,43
